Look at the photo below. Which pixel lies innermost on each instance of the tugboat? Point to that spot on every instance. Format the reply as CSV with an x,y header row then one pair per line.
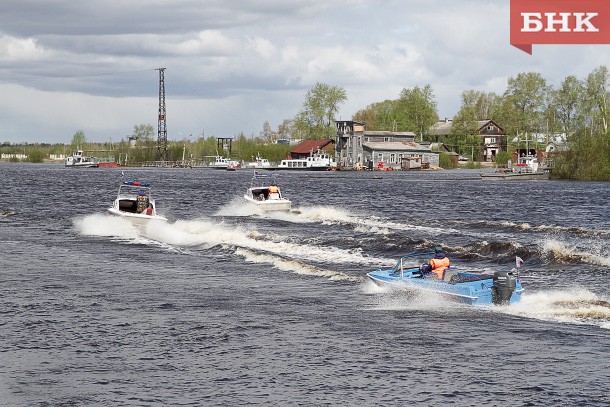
x,y
79,160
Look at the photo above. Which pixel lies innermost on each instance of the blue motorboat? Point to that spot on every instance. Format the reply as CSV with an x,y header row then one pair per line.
x,y
501,288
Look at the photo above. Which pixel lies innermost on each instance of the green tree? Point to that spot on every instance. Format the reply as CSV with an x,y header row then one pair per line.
x,y
268,135
78,140
597,98
284,130
380,116
418,107
502,157
567,100
485,105
463,136
316,118
36,156
527,93
143,132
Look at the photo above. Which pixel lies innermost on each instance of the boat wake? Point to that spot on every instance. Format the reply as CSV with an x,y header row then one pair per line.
x,y
282,252
524,226
294,266
122,230
390,298
105,226
239,207
561,252
579,306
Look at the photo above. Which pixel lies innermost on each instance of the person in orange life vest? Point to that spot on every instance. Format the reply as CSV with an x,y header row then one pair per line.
x,y
149,210
274,191
438,264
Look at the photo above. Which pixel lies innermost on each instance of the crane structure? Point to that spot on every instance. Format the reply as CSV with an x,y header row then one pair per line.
x,y
162,124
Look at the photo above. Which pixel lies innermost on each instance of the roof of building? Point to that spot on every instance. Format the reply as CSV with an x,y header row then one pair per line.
x,y
443,127
385,133
438,147
307,146
395,146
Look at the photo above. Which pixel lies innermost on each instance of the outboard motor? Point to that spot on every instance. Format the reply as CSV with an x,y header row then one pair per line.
x,y
504,284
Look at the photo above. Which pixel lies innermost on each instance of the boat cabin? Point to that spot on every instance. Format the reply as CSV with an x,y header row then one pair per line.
x,y
260,187
134,197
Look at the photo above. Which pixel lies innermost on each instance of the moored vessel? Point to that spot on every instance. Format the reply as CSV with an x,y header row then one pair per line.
x,y
79,160
319,161
526,169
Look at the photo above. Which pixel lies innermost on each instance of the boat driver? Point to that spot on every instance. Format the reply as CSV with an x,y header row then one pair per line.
x,y
437,265
274,191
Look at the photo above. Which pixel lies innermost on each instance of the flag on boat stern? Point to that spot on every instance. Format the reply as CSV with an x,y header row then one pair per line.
x,y
518,262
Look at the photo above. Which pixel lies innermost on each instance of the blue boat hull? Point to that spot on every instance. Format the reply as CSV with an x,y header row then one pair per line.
x,y
469,288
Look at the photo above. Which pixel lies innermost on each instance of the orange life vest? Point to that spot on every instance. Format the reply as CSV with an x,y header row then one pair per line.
x,y
439,266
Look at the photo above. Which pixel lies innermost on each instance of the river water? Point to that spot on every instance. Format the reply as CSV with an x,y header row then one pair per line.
x,y
224,306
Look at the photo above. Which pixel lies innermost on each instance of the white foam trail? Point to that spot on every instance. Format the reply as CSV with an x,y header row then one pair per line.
x,y
371,224
121,229
105,226
575,306
389,298
239,207
565,251
324,214
206,233
329,215
294,266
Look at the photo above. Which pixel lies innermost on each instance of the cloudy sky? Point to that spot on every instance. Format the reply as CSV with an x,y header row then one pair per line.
x,y
231,65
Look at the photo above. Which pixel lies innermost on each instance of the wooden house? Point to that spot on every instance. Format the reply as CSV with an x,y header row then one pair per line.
x,y
492,135
359,148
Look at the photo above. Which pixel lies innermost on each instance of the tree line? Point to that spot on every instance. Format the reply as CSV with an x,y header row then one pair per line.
x,y
576,112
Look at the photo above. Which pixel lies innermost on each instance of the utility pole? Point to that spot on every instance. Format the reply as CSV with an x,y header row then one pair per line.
x,y
162,127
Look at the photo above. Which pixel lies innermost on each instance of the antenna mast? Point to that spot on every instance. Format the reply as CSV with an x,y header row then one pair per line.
x,y
162,129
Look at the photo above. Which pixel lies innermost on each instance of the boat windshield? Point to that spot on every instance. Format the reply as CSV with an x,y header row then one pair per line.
x,y
412,261
131,190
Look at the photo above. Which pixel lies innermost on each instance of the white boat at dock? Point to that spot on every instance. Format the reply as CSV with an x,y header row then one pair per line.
x,y
259,162
216,162
79,160
526,169
265,194
319,161
135,203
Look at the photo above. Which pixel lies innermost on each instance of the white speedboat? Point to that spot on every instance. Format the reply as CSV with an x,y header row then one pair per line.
x,y
259,162
265,194
135,203
78,159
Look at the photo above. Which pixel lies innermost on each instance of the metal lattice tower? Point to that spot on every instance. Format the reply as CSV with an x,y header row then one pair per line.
x,y
162,128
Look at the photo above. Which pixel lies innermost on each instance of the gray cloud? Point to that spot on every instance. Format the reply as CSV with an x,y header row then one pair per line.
x,y
233,65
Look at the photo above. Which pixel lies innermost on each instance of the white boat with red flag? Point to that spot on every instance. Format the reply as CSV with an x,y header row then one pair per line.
x,y
135,203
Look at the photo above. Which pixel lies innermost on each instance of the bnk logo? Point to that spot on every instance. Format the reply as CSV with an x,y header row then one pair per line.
x,y
559,22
